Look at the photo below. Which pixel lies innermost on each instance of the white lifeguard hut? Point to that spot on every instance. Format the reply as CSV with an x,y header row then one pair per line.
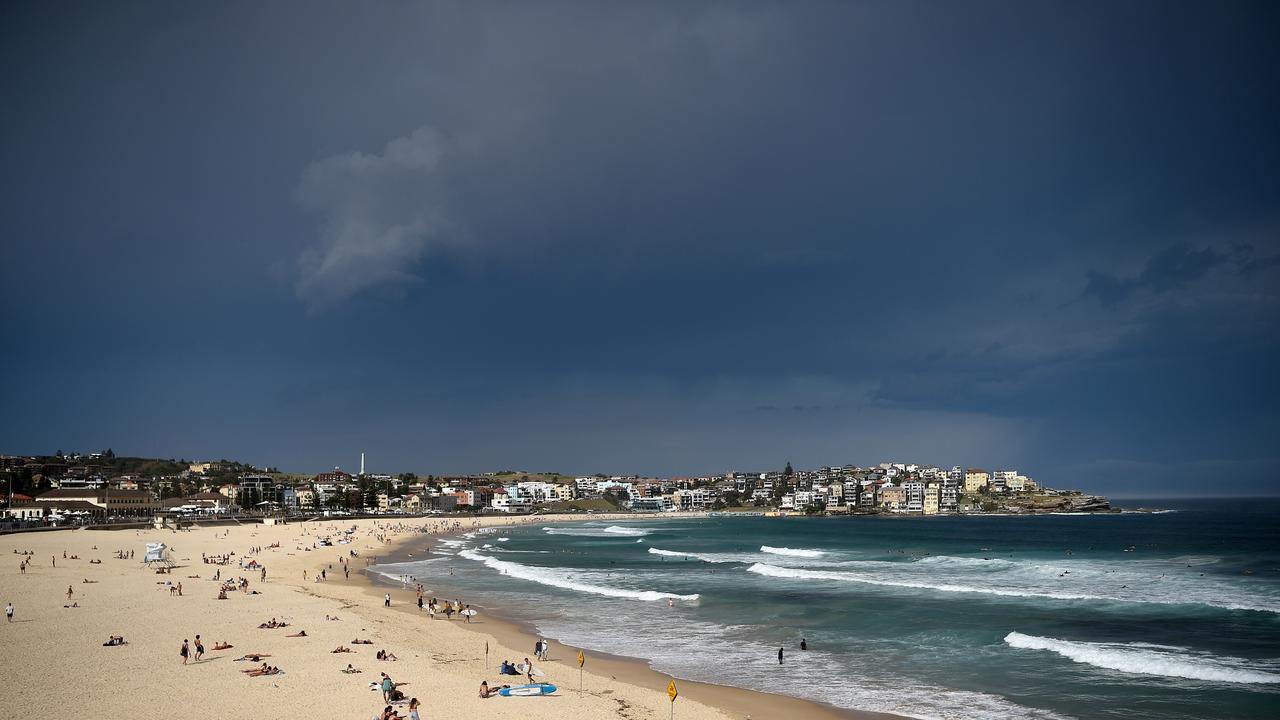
x,y
158,552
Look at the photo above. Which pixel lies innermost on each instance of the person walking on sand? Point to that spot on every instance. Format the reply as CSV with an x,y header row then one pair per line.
x,y
199,649
8,611
386,600
68,592
185,651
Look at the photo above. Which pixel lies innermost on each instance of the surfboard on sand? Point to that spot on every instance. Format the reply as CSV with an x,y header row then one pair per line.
x,y
524,670
528,690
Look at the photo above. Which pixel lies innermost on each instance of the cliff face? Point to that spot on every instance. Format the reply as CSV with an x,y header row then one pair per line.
x,y
1088,503
1059,503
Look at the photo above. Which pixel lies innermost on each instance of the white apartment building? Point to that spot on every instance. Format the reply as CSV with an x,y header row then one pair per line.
x,y
914,490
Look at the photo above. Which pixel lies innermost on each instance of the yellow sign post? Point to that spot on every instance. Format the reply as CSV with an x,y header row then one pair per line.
x,y
582,660
672,693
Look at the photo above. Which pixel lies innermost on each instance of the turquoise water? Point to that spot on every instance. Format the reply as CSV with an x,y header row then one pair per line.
x,y
1171,615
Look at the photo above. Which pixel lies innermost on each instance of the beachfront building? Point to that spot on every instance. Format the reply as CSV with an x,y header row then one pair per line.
x,y
306,497
112,502
27,511
948,495
975,480
657,503
914,491
932,499
869,498
504,500
892,498
538,492
691,499
1001,480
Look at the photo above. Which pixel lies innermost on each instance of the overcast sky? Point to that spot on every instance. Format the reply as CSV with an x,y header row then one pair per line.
x,y
657,238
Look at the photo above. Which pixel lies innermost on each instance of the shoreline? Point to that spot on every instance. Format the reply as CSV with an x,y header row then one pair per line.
x,y
511,631
76,592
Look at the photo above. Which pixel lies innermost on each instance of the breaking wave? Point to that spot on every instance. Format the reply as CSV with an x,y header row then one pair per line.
x,y
924,582
792,552
567,580
1144,659
611,531
619,530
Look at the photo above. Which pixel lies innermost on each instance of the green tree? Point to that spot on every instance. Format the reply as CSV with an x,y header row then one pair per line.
x,y
788,472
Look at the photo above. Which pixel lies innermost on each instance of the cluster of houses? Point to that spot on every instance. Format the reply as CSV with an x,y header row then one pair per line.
x,y
83,489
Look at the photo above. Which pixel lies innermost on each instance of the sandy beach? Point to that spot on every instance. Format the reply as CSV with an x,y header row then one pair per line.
x,y
55,658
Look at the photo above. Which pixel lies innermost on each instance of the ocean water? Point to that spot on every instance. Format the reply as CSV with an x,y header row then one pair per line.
x,y
1169,615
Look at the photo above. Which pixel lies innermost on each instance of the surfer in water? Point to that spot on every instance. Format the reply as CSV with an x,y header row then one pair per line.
x,y
804,644
779,656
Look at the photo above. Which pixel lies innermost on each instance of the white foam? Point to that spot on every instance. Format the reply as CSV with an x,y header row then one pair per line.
x,y
900,575
732,656
669,553
792,552
567,580
613,531
619,530
1144,659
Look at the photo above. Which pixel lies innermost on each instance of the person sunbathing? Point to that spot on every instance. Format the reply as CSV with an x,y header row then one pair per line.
x,y
255,657
222,594
264,668
341,649
300,633
488,692
87,581
351,670
358,641
267,671
384,655
269,625
114,640
222,646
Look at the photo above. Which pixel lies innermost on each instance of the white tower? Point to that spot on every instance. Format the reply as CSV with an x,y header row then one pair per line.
x,y
362,463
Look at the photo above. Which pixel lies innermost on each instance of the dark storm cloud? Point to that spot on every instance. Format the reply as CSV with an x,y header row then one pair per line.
x,y
1167,270
674,237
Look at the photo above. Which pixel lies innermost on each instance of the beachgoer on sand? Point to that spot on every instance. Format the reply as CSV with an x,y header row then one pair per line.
x,y
8,611
184,652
